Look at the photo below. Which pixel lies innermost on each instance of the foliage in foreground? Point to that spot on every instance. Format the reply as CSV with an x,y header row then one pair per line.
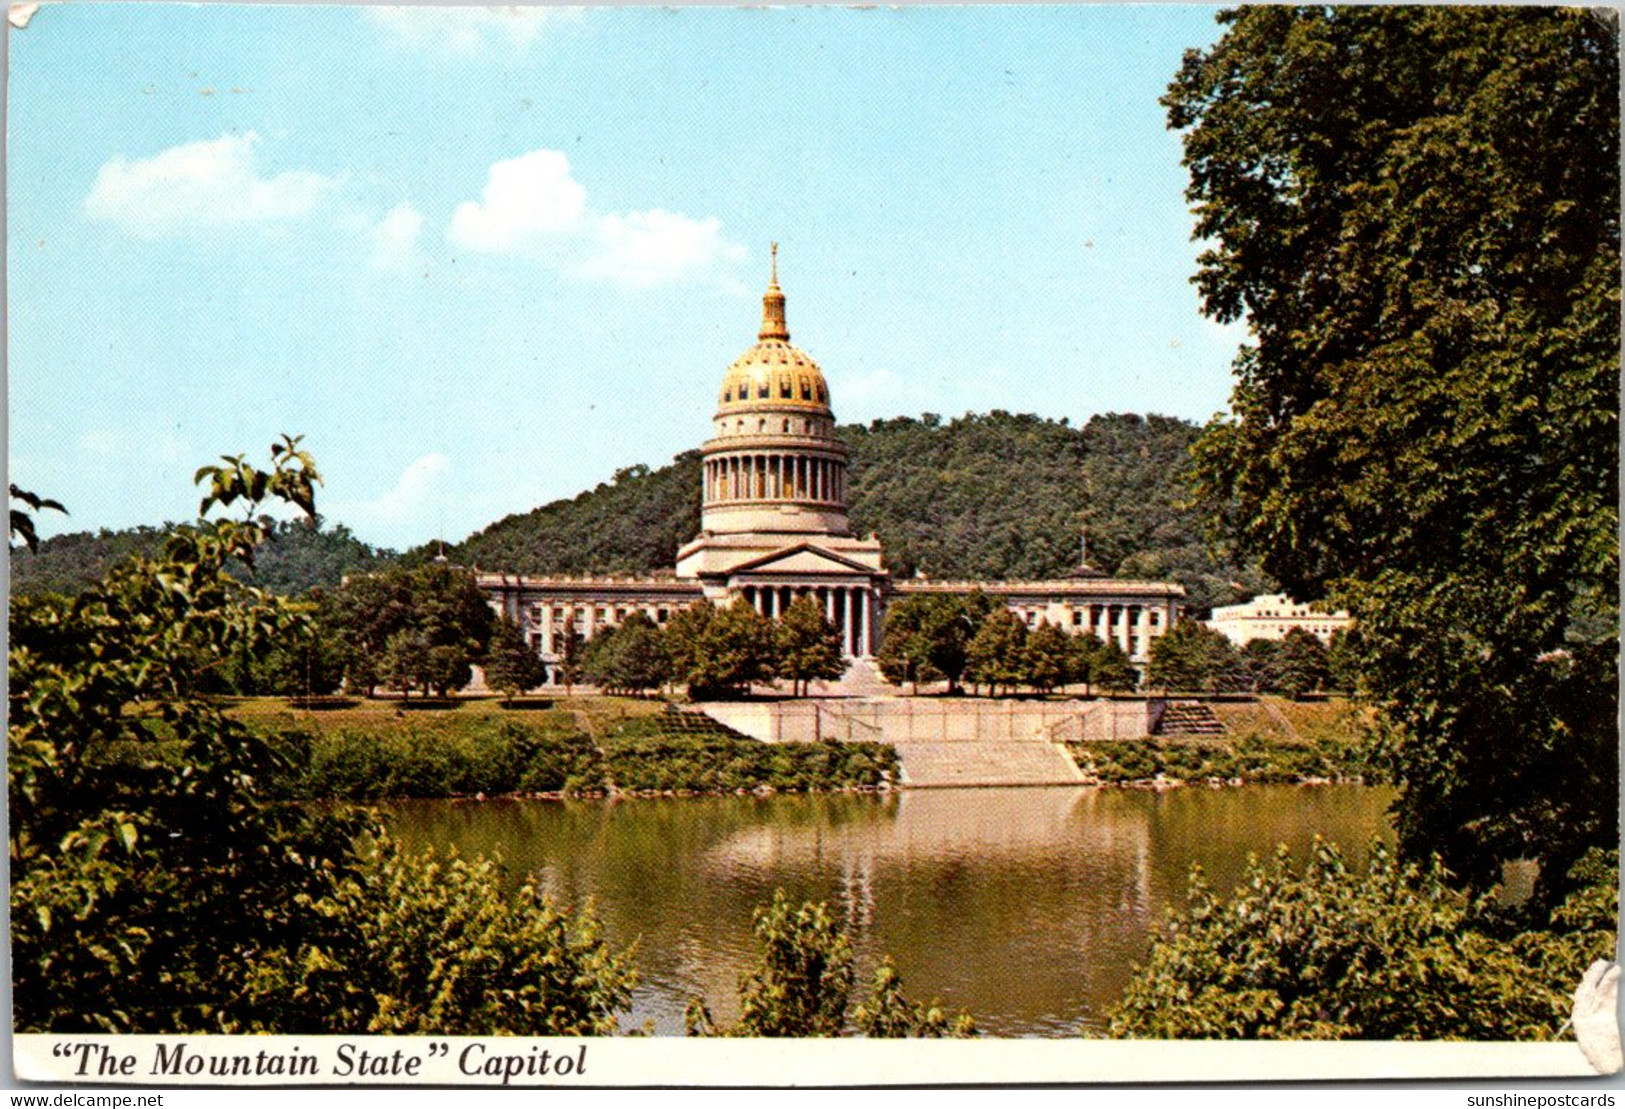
x,y
1393,953
1416,209
411,946
154,886
803,985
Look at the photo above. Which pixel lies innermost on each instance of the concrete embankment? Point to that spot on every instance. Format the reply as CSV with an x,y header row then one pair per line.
x,y
949,742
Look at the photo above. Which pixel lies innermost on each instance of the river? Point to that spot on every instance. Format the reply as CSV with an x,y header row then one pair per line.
x,y
1025,907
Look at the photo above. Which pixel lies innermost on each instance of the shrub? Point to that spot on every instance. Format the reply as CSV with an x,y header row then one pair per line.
x,y
413,945
1392,953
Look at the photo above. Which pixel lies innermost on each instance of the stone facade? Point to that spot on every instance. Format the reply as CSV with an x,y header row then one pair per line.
x,y
774,527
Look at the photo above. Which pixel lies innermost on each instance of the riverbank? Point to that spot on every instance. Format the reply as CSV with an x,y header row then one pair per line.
x,y
1265,742
360,750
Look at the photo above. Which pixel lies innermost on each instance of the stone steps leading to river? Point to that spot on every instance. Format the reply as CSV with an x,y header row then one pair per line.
x,y
1189,718
1030,763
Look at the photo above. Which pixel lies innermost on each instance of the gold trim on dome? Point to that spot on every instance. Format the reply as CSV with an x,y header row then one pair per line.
x,y
773,374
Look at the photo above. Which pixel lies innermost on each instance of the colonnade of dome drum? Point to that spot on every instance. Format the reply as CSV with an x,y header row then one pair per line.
x,y
775,477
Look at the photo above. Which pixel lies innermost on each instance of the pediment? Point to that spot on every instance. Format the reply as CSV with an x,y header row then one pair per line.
x,y
802,559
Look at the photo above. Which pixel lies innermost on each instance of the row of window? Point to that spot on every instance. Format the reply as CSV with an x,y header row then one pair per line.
x,y
602,614
786,426
803,384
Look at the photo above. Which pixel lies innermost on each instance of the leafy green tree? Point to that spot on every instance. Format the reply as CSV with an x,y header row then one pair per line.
x,y
736,649
1390,953
629,658
1301,664
133,815
411,627
996,654
1102,664
511,665
808,646
155,889
1261,659
1050,658
571,649
924,637
1343,660
1417,211
405,663
448,668
1192,656
364,613
684,635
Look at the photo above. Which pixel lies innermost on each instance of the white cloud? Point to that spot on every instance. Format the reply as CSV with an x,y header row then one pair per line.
x,y
533,207
407,513
654,247
395,238
525,201
200,186
464,30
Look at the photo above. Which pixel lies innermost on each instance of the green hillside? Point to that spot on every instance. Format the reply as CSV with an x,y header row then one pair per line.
x,y
982,496
298,557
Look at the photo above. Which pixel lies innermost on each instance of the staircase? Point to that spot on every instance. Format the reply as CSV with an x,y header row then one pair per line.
x,y
1189,718
1031,763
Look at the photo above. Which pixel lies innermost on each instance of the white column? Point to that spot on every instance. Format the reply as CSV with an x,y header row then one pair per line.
x,y
1143,627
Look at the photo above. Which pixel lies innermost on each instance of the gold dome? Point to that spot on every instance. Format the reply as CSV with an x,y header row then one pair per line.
x,y
773,374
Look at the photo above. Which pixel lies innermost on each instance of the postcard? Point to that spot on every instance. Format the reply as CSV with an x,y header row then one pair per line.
x,y
700,546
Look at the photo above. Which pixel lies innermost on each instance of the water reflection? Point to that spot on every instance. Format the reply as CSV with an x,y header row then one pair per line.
x,y
1026,907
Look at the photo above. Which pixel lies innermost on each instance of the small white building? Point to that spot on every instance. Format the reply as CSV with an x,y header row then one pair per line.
x,y
1271,616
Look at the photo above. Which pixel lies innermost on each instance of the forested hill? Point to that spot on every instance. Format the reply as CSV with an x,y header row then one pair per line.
x,y
982,496
298,557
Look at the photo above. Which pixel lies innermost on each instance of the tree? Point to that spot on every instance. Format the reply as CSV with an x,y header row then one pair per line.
x,y
630,658
405,665
925,636
1192,656
996,653
1050,659
1103,664
1387,953
133,815
808,646
684,636
736,649
411,627
1301,664
1417,211
156,890
511,665
1260,658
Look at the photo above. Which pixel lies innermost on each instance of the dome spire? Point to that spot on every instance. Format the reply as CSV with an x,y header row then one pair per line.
x,y
773,325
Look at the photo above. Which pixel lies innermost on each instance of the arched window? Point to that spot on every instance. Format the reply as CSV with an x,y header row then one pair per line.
x,y
785,392
806,387
762,389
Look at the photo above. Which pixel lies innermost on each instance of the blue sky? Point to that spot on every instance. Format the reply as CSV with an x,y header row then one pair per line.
x,y
480,259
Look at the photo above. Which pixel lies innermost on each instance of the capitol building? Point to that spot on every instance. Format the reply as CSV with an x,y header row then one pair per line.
x,y
774,528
